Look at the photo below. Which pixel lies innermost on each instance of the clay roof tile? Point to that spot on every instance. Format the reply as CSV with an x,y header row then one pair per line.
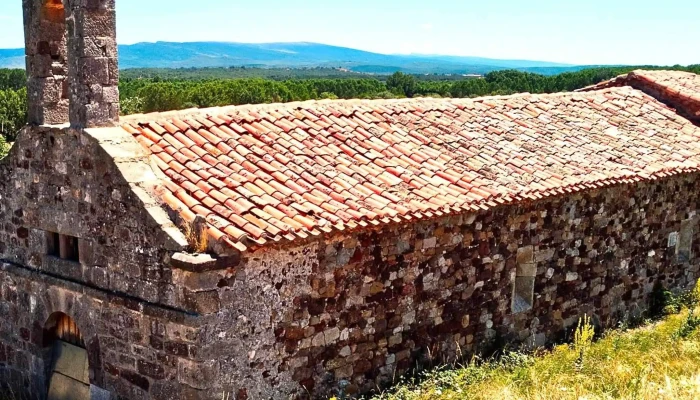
x,y
268,171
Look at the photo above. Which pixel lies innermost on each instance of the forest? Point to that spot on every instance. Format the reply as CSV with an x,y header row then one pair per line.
x,y
143,91
155,93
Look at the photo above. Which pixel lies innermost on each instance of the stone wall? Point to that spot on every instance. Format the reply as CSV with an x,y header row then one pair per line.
x,y
128,289
127,292
46,61
65,181
135,350
72,64
352,312
340,312
93,63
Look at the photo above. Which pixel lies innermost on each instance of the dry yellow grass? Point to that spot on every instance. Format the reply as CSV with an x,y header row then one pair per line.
x,y
196,235
656,362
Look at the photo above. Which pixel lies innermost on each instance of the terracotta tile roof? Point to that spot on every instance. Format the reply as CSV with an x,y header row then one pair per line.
x,y
684,83
268,173
679,89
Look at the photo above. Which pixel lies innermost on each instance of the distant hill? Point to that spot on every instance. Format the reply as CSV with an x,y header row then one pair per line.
x,y
11,58
295,55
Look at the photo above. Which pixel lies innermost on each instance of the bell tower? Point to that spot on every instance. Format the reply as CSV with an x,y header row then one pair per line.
x,y
47,61
72,65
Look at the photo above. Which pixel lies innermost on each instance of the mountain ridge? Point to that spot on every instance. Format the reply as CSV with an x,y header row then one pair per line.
x,y
165,54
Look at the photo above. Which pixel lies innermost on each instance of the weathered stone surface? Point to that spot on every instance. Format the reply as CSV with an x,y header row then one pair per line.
x,y
62,387
97,393
94,95
70,55
338,312
62,181
130,347
389,308
199,263
46,62
121,292
71,361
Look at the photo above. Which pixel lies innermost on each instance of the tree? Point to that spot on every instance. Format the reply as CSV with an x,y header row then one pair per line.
x,y
14,79
131,105
13,112
402,84
328,96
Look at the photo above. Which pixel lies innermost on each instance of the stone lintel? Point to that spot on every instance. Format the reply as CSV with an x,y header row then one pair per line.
x,y
203,262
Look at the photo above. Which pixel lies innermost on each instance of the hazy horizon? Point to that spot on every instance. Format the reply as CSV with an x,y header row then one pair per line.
x,y
593,33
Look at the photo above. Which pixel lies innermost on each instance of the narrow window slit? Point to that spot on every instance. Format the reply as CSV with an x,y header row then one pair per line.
x,y
53,244
685,241
61,246
524,285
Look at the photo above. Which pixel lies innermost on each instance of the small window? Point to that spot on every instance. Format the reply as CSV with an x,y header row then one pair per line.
x,y
53,244
524,285
62,246
685,241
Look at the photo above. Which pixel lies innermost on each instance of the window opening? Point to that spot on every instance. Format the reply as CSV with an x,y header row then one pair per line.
x,y
685,241
65,247
524,285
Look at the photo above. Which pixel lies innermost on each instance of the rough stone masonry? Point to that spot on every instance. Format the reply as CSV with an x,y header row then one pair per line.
x,y
72,64
87,234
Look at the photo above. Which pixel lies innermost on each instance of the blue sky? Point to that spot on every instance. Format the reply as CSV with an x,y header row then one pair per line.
x,y
577,32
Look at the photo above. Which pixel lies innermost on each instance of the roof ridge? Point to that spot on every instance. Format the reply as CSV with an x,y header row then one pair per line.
x,y
640,73
160,116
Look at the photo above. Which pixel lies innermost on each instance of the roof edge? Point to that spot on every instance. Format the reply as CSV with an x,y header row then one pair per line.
x,y
133,162
161,116
685,102
471,213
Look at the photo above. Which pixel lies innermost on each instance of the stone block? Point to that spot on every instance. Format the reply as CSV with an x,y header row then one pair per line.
x,y
135,379
526,269
39,66
523,293
202,302
71,361
95,112
94,24
198,375
199,281
62,387
525,255
93,70
203,262
110,94
571,276
152,370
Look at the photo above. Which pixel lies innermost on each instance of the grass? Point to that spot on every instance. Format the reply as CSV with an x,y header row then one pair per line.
x,y
658,361
196,235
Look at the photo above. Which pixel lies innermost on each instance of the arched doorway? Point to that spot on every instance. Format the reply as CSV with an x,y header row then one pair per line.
x,y
67,367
